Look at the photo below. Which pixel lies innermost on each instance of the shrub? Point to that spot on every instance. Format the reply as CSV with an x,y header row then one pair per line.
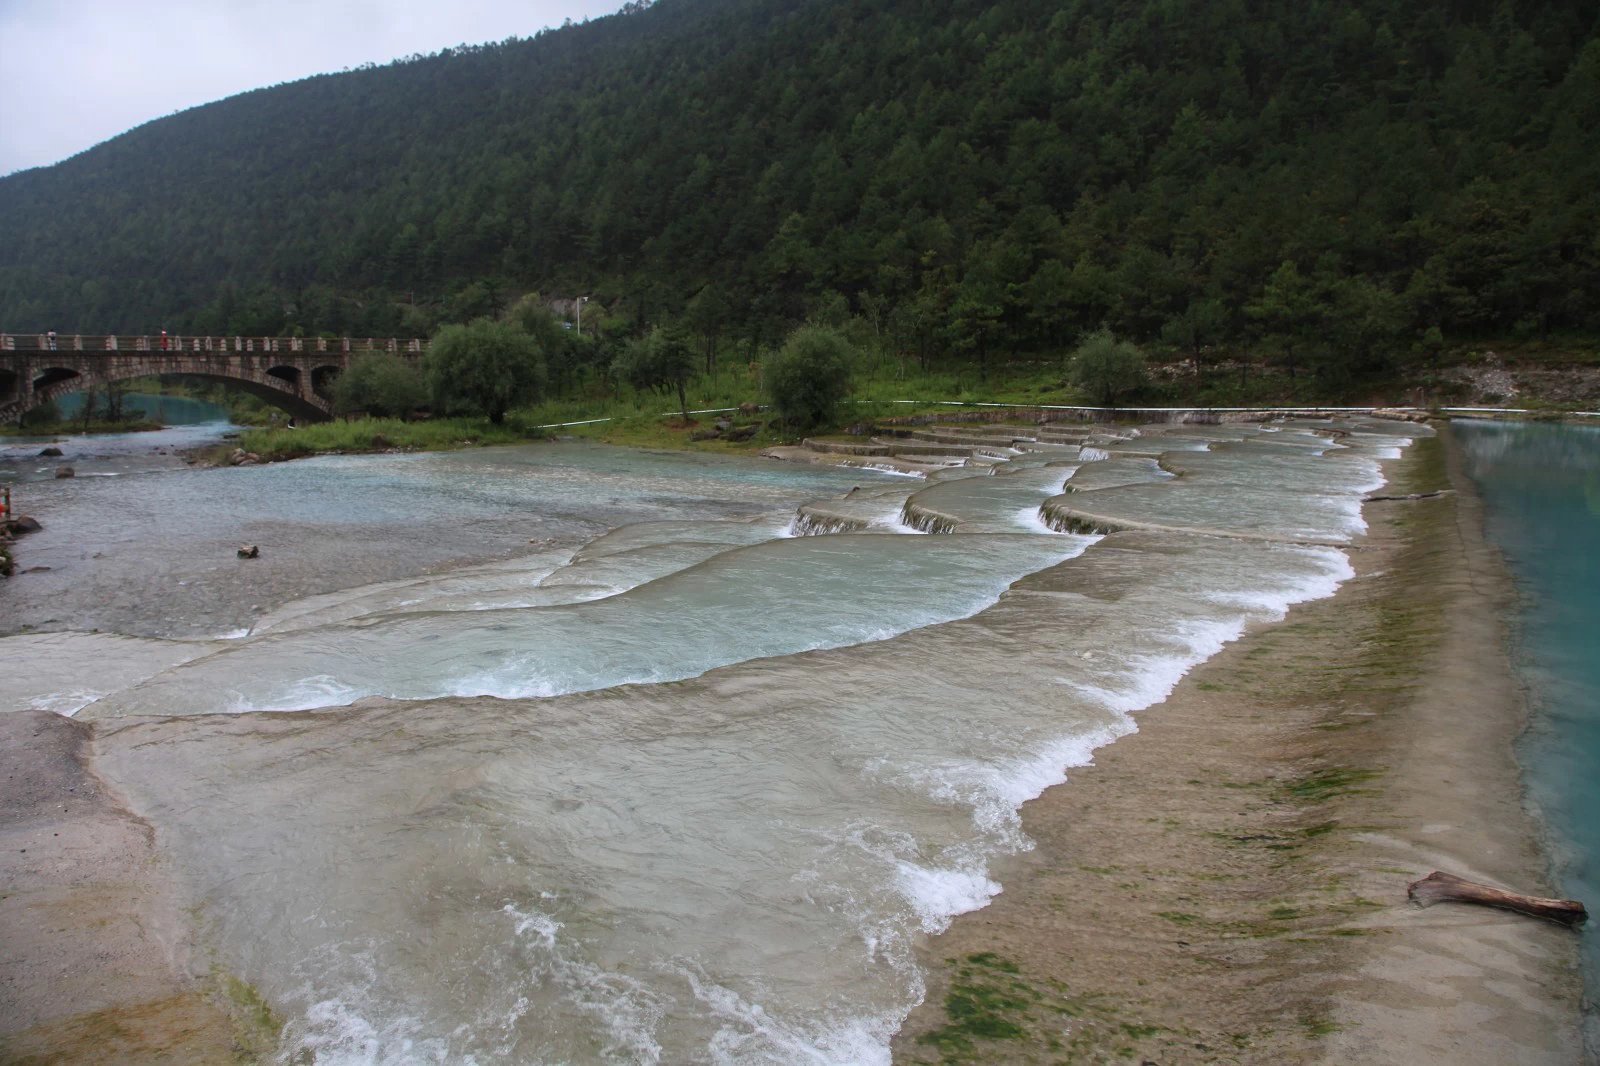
x,y
808,377
378,384
1105,367
484,367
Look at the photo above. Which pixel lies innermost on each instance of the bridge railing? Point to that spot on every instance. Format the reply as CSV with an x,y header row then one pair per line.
x,y
108,344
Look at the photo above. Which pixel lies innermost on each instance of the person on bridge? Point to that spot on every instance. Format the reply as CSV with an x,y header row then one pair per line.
x,y
50,340
163,340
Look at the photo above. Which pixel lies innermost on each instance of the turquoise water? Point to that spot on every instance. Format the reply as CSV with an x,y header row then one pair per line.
x,y
168,410
1541,485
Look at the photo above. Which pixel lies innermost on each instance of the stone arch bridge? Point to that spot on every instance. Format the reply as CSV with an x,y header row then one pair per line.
x,y
293,373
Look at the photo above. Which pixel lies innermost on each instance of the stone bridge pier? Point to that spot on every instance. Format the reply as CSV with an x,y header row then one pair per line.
x,y
291,373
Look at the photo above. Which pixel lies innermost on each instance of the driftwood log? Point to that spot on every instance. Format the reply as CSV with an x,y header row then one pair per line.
x,y
1448,888
1411,496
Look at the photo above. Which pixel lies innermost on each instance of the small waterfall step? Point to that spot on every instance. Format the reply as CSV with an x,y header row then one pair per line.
x,y
839,447
921,447
939,435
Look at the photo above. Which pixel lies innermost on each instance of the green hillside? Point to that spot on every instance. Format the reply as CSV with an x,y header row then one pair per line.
x,y
1334,179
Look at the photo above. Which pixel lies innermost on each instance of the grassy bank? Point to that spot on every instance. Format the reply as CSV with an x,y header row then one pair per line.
x,y
1542,378
380,434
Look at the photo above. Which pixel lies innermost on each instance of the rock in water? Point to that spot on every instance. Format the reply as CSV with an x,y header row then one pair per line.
x,y
51,451
22,524
65,471
249,551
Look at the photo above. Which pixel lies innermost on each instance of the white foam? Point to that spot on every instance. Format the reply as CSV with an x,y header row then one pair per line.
x,y
750,1036
630,1011
66,704
540,925
307,694
938,895
1142,681
345,1038
890,470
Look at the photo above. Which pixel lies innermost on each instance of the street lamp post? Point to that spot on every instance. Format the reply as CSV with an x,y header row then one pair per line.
x,y
581,301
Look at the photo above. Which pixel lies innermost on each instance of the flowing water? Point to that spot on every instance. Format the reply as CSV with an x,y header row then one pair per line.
x,y
674,782
1541,488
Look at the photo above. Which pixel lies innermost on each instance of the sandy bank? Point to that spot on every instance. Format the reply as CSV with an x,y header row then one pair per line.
x,y
1228,884
94,954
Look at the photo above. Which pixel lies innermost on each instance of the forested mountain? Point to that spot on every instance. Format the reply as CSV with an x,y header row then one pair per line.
x,y
1335,176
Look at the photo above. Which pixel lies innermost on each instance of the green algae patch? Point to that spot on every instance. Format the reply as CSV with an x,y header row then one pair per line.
x,y
250,1010
994,1012
1328,784
987,1000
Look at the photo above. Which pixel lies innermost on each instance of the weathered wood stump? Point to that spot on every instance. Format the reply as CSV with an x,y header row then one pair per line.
x,y
1440,887
1411,496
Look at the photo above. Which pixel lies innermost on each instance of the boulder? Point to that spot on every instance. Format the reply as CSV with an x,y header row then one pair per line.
x,y
249,551
705,434
749,408
65,471
51,451
22,524
723,425
743,433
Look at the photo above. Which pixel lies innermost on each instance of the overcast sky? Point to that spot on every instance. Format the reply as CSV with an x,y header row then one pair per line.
x,y
74,73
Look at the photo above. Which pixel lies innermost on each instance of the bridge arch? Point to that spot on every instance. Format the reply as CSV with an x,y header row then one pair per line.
x,y
49,377
280,396
290,375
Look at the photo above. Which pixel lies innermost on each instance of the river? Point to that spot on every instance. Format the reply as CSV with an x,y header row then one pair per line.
x,y
574,754
1541,488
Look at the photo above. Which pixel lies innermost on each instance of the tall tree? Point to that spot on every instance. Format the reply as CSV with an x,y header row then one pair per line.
x,y
484,368
662,361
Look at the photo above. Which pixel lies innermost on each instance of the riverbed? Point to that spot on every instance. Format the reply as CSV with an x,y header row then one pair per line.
x,y
568,753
